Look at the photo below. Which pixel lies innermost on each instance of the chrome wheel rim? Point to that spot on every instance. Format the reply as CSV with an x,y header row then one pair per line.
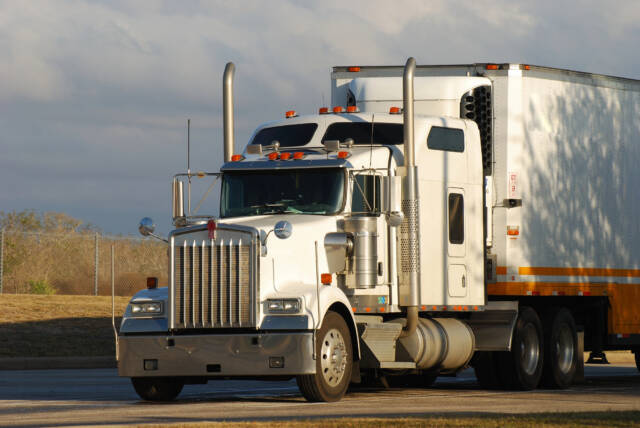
x,y
529,349
564,348
333,357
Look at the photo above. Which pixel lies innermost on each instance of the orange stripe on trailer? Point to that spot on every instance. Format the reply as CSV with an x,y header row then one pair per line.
x,y
576,271
501,270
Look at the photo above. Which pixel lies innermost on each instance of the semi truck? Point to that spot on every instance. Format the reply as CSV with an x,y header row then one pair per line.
x,y
434,218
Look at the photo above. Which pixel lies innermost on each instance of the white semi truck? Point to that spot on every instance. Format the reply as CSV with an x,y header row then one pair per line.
x,y
437,217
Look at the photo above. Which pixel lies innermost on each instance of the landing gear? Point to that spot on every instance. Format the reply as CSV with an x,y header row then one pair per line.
x,y
522,367
561,349
334,362
157,388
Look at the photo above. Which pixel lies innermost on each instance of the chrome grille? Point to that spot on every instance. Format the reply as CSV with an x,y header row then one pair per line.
x,y
214,284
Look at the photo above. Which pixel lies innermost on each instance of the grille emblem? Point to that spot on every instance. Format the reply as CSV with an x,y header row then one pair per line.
x,y
211,227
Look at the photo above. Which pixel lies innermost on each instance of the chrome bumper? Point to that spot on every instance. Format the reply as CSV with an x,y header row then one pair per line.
x,y
273,354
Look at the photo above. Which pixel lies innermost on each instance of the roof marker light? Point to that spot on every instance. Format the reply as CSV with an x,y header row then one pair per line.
x,y
352,109
353,69
343,154
273,156
337,109
526,67
236,158
285,156
298,155
290,114
492,67
395,110
323,110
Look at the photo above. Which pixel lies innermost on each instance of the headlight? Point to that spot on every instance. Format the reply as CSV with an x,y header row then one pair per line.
x,y
146,308
283,306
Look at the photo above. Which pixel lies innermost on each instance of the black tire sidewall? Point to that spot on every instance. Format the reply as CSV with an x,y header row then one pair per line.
x,y
553,376
520,379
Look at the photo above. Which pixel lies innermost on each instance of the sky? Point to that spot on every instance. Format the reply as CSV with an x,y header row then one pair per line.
x,y
95,95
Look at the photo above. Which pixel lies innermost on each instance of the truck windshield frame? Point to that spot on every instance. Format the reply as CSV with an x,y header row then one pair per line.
x,y
317,191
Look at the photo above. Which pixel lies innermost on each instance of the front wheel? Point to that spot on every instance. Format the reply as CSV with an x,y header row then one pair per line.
x,y
157,388
334,362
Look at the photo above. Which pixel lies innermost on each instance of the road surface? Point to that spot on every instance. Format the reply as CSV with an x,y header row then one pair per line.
x,y
95,397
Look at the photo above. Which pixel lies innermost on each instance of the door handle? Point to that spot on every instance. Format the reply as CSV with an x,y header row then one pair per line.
x,y
464,281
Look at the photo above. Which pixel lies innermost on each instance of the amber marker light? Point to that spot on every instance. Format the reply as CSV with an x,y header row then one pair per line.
x,y
285,156
290,114
338,109
353,69
395,110
492,67
152,282
236,158
273,156
343,155
352,109
298,155
326,278
323,110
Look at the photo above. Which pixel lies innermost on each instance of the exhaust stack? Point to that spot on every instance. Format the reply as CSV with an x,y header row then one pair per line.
x,y
227,110
410,206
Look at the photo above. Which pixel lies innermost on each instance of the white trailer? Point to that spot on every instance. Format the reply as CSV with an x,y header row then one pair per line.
x,y
363,242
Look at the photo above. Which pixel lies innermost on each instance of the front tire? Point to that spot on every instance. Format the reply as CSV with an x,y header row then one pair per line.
x,y
561,349
334,362
522,367
157,388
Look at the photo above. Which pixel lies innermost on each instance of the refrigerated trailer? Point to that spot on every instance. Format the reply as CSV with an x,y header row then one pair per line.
x,y
436,217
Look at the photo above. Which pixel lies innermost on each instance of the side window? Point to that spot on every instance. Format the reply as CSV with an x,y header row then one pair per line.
x,y
456,218
366,194
448,139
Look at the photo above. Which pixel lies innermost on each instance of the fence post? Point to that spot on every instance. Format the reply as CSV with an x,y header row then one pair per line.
x,y
95,273
1,257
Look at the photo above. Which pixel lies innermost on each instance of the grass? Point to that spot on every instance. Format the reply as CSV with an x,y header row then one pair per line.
x,y
581,419
57,325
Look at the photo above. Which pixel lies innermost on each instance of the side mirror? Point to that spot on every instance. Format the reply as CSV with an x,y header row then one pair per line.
x,y
392,200
178,202
146,227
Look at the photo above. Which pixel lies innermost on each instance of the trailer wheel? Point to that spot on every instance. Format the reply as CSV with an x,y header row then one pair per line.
x,y
637,354
334,362
486,370
157,388
561,349
522,367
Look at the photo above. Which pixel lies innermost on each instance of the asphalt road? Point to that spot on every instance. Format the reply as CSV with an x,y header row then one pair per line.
x,y
97,397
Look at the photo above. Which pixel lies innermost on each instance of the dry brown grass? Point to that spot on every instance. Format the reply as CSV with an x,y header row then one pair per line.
x,y
57,326
564,420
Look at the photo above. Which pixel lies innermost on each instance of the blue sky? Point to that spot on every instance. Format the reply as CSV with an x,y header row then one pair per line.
x,y
95,95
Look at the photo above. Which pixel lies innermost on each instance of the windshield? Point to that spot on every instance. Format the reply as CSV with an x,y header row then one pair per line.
x,y
304,191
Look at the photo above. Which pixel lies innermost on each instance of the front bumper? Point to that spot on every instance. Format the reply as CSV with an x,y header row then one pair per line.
x,y
225,355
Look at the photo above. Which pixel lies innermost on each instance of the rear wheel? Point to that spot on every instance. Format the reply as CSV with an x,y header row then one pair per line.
x,y
561,349
522,367
334,362
637,354
157,388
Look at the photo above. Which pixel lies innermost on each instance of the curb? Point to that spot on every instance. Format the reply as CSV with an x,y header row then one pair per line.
x,y
44,363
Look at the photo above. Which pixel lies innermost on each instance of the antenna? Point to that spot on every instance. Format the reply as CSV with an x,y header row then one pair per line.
x,y
189,165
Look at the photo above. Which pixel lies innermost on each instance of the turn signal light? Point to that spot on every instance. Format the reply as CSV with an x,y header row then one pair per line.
x,y
290,114
273,156
323,110
152,282
236,158
326,278
337,109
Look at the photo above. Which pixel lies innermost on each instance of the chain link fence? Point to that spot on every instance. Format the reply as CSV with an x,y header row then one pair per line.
x,y
78,263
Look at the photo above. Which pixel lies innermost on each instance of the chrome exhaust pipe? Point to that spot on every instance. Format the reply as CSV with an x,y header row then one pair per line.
x,y
227,110
410,203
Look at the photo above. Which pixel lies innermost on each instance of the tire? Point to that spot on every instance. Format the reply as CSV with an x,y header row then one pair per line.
x,y
522,367
157,388
334,362
486,370
561,349
637,354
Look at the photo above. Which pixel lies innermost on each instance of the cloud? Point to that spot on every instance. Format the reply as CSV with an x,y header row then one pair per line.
x,y
95,95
